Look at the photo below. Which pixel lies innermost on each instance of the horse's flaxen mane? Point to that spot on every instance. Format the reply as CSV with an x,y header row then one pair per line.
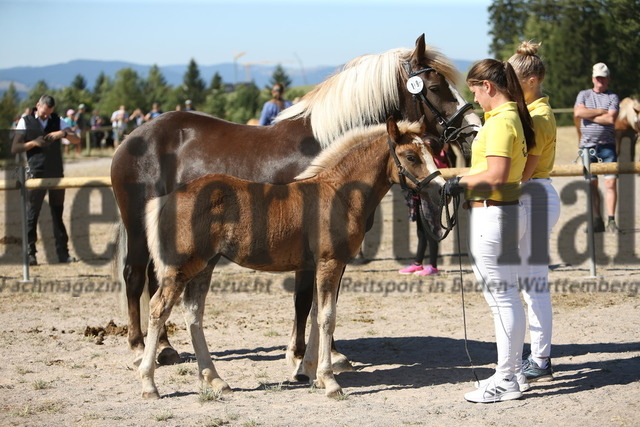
x,y
336,151
363,93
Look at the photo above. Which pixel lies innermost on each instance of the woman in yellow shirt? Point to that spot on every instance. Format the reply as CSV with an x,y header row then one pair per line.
x,y
497,218
542,206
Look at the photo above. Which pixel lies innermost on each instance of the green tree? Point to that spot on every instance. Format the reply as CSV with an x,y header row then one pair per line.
x,y
35,93
9,107
127,90
216,82
243,103
156,90
192,84
279,76
575,34
79,82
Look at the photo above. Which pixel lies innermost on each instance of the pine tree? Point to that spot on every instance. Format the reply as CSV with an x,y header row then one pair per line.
x,y
9,107
193,85
79,82
279,76
156,90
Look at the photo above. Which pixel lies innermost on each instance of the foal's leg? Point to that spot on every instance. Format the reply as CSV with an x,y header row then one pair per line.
x,y
339,361
327,279
159,310
194,298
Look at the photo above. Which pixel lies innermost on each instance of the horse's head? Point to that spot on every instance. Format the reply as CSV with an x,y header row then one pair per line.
x,y
413,151
629,116
430,92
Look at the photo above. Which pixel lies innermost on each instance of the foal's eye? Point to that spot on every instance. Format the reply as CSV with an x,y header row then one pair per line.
x,y
411,158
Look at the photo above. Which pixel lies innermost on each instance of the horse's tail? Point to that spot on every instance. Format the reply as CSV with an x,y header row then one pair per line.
x,y
154,239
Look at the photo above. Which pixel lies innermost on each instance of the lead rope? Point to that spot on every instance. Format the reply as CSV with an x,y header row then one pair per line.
x,y
464,312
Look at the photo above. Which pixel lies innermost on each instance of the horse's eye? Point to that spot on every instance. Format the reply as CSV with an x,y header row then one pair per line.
x,y
411,158
434,88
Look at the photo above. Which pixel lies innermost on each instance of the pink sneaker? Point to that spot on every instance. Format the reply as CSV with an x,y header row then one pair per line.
x,y
411,269
429,270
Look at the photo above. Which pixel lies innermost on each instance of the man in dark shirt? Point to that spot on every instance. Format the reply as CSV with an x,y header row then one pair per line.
x,y
38,134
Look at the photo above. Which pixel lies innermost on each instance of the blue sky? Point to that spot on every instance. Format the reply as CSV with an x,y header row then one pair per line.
x,y
290,32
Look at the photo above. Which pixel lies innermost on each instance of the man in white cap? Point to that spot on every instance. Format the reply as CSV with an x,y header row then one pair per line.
x,y
597,110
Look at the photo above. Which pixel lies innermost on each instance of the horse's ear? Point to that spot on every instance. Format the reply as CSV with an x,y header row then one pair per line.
x,y
392,129
418,54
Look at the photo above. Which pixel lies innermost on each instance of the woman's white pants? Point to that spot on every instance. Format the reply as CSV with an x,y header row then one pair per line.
x,y
495,233
542,208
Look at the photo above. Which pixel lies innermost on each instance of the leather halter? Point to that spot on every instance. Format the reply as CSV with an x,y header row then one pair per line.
x,y
405,174
450,133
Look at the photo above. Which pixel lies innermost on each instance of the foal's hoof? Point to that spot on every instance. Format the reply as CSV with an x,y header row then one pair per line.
x,y
150,395
336,392
168,356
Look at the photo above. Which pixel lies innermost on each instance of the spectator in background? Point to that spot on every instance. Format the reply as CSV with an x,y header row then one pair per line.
x,y
188,106
137,118
155,112
96,121
178,107
72,126
597,110
82,121
272,108
119,121
39,135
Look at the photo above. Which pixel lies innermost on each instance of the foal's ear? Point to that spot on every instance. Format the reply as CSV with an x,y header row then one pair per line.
x,y
392,130
423,125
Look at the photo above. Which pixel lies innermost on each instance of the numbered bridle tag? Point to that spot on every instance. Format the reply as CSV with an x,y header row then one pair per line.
x,y
415,85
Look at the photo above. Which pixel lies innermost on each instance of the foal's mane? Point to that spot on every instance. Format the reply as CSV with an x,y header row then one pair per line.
x,y
337,150
363,93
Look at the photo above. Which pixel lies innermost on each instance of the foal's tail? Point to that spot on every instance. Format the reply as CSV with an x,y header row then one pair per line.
x,y
154,239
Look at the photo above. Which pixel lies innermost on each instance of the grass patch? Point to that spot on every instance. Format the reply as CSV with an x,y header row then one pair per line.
x,y
41,384
207,394
163,416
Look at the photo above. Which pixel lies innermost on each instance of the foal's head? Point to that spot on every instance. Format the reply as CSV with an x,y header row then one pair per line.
x,y
415,150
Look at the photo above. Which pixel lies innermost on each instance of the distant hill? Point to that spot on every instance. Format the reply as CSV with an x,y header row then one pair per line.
x,y
61,75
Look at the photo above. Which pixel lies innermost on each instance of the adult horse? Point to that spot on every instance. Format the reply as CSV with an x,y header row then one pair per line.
x,y
628,126
314,224
176,147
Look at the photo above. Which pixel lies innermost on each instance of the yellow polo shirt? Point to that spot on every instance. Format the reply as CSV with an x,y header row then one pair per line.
x,y
544,123
501,135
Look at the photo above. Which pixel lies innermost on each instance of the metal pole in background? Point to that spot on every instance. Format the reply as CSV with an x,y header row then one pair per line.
x,y
22,178
591,247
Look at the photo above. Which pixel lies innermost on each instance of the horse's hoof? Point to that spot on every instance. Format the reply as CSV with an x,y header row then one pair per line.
x,y
302,378
334,392
341,364
150,395
220,386
168,356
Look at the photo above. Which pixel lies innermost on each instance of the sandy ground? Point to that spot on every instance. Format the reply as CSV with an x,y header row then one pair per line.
x,y
63,365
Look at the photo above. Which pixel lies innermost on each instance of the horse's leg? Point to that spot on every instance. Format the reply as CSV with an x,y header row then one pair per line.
x,y
302,298
134,278
339,361
159,310
167,355
195,295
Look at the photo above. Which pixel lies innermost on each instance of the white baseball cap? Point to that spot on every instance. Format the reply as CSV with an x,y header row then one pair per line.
x,y
600,70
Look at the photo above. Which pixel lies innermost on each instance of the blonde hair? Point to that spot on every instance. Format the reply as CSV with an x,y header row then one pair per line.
x,y
526,62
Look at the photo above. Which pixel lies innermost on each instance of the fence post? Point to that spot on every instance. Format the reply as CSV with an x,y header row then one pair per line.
x,y
22,178
591,247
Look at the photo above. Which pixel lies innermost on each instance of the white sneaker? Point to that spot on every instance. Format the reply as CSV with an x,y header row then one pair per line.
x,y
520,377
495,389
